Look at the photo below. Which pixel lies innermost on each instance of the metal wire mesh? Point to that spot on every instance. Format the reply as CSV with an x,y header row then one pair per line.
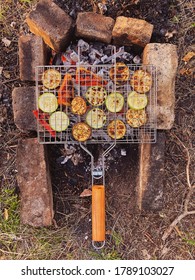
x,y
96,75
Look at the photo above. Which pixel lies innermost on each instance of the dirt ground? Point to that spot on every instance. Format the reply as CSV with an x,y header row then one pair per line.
x,y
130,234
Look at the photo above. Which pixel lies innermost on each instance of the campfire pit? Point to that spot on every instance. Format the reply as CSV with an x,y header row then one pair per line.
x,y
101,88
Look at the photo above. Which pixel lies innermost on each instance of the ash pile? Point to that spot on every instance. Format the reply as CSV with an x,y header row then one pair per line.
x,y
94,53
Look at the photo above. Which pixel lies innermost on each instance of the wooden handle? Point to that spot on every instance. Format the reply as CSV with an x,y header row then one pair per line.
x,y
98,213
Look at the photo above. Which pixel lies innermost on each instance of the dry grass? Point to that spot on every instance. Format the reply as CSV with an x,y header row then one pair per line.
x,y
130,235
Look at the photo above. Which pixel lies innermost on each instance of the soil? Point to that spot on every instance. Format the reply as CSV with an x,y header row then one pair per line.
x,y
132,234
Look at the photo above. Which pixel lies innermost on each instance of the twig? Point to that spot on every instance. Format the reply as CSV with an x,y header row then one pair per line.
x,y
188,162
9,81
175,222
187,199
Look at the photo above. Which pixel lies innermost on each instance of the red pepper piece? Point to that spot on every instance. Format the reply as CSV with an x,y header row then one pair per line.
x,y
91,82
88,78
41,118
66,91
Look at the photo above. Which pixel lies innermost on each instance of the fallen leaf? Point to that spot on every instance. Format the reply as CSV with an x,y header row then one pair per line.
x,y
86,193
108,232
146,255
13,24
6,74
188,56
6,42
186,71
1,70
182,71
5,214
170,34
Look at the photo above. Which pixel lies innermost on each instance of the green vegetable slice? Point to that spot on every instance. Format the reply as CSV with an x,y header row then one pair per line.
x,y
115,102
96,95
96,118
59,121
48,102
137,101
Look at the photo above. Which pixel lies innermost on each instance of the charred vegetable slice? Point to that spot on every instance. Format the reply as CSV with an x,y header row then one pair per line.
x,y
81,131
141,81
119,73
115,102
96,95
59,121
96,118
116,129
78,105
51,78
137,101
136,118
47,102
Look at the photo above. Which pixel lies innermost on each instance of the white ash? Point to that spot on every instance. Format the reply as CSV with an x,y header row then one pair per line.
x,y
137,59
94,53
123,152
66,159
70,152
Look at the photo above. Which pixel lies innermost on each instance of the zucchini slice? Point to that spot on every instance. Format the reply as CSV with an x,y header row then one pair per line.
x,y
59,121
96,95
51,78
137,101
136,118
96,118
115,102
48,102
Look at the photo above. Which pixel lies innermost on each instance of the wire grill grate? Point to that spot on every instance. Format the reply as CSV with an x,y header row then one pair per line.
x,y
97,75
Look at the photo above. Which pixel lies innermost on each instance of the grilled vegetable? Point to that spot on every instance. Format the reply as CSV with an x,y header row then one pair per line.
x,y
136,118
119,73
115,102
141,81
137,101
96,95
59,121
96,118
81,131
78,106
51,78
47,102
116,129
41,118
86,77
66,91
